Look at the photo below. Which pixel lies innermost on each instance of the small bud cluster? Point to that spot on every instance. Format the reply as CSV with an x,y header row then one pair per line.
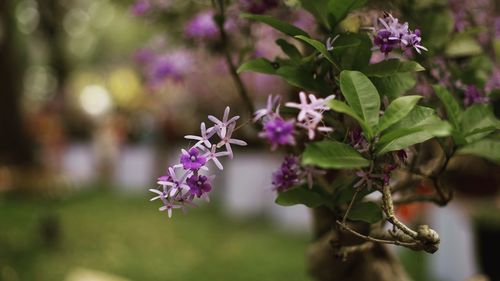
x,y
184,181
392,34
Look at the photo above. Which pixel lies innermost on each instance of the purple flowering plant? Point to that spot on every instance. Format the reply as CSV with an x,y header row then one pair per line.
x,y
348,126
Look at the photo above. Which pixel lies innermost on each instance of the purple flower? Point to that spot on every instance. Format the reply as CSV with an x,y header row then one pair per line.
x,y
144,56
175,65
311,113
383,42
204,138
199,185
278,132
228,140
140,7
392,34
257,6
473,95
191,160
412,40
269,112
202,26
221,125
494,81
288,174
178,189
213,154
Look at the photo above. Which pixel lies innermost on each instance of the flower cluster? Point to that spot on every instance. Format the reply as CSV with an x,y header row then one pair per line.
x,y
279,131
310,116
157,68
184,181
392,34
287,175
144,7
473,95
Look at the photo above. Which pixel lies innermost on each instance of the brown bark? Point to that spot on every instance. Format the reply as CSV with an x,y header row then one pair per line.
x,y
15,146
377,263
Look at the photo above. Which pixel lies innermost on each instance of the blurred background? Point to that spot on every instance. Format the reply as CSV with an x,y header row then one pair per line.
x,y
95,98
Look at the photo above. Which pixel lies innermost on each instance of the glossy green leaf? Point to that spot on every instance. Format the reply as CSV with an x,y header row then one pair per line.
x,y
300,78
301,195
395,85
258,65
361,95
398,109
333,155
419,116
277,24
342,107
368,212
486,148
453,110
405,137
289,49
478,121
390,67
318,46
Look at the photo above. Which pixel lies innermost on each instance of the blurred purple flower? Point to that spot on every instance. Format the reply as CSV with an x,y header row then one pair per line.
x,y
494,81
174,65
202,26
278,132
140,7
473,95
287,175
144,56
257,6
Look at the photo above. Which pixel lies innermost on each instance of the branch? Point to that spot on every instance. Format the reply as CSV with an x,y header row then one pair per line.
x,y
220,19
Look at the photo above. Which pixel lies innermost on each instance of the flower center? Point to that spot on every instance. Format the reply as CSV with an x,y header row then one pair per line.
x,y
199,183
193,158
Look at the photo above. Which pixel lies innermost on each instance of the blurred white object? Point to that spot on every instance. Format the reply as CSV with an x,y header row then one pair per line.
x,y
247,191
456,257
78,164
135,168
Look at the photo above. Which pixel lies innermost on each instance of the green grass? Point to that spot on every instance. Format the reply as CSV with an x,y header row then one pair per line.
x,y
126,236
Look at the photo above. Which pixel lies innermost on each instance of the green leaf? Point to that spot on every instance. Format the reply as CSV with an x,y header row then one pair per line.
x,y
276,24
298,77
478,121
453,110
368,212
301,195
419,116
463,46
361,95
486,148
258,65
318,46
390,67
340,8
353,50
289,49
342,107
405,137
319,9
395,85
397,110
333,155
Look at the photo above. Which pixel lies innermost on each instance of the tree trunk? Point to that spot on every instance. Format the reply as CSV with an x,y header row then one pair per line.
x,y
375,264
16,149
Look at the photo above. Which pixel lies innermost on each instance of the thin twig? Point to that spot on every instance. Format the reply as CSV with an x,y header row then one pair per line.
x,y
219,7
